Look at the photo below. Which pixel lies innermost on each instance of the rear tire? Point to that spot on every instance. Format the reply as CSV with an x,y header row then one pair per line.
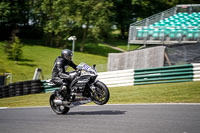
x,y
101,94
58,109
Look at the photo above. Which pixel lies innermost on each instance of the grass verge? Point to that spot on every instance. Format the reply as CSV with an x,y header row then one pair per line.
x,y
123,44
187,92
35,56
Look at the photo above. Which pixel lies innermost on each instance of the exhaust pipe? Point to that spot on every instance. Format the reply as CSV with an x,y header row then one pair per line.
x,y
73,104
60,102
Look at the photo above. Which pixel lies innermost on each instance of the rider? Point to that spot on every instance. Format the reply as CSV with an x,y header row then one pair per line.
x,y
59,76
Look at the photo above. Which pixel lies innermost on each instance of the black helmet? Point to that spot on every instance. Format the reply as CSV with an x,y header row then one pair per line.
x,y
67,54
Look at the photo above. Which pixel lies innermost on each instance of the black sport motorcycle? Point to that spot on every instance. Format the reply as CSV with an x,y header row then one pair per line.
x,y
84,88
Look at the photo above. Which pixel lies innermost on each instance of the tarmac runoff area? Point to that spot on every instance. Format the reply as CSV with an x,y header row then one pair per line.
x,y
110,118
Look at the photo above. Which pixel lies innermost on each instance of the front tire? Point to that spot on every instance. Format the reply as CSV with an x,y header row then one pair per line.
x,y
101,93
58,109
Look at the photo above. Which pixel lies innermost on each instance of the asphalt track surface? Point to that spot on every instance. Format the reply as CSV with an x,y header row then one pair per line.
x,y
143,118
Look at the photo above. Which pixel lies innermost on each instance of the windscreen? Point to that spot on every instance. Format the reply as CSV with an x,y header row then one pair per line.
x,y
85,67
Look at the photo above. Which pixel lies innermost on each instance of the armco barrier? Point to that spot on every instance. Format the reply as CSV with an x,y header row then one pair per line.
x,y
111,79
168,74
117,78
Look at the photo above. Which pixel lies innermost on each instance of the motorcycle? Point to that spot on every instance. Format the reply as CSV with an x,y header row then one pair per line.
x,y
83,89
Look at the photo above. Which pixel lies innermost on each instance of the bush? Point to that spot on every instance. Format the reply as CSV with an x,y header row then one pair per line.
x,y
14,50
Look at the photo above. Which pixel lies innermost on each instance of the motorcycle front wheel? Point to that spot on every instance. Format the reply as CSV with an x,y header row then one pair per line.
x,y
58,109
101,93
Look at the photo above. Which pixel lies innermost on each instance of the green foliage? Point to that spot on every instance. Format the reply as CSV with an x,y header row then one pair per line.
x,y
14,12
4,11
123,15
96,19
65,18
56,20
14,50
146,8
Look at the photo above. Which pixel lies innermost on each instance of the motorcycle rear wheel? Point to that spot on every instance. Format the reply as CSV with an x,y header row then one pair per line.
x,y
58,109
101,94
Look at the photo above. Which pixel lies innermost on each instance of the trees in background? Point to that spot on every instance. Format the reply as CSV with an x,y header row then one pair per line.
x,y
55,20
145,8
62,18
123,15
14,49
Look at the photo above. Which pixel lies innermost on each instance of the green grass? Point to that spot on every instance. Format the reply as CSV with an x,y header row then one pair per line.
x,y
89,47
187,92
36,56
121,44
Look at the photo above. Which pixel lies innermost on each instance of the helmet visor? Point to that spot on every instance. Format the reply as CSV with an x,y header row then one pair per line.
x,y
67,57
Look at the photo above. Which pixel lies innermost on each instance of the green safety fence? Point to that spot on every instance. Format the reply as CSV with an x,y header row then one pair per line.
x,y
48,87
158,75
167,74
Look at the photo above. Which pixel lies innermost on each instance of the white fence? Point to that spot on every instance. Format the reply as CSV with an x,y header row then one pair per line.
x,y
167,74
117,78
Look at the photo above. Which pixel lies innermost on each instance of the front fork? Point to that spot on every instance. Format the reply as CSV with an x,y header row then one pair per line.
x,y
93,88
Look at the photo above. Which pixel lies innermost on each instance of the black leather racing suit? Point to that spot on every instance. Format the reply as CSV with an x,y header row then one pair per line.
x,y
58,72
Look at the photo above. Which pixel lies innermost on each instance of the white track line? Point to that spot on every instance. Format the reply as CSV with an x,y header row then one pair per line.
x,y
136,104
3,107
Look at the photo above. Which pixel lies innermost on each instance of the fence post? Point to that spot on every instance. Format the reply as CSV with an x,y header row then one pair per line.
x,y
175,10
147,22
162,16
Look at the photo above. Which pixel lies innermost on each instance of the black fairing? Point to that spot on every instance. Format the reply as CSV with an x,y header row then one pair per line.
x,y
79,83
92,79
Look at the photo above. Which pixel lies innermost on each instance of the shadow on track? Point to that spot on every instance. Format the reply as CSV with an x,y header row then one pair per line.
x,y
104,112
